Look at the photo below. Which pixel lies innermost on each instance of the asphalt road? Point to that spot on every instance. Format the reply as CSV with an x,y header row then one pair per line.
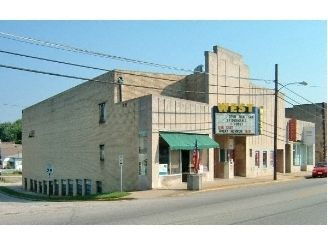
x,y
289,203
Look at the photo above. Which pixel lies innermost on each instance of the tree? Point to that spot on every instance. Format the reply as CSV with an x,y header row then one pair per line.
x,y
11,132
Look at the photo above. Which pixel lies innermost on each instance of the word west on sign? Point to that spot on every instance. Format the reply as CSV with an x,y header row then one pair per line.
x,y
235,108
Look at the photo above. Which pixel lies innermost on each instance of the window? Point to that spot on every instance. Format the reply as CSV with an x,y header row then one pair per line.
x,y
79,187
51,187
309,151
70,187
35,186
223,155
40,187
45,187
102,112
250,152
163,152
56,183
142,167
63,188
25,183
257,158
99,187
174,166
265,158
142,170
31,184
204,159
31,134
271,158
102,152
87,185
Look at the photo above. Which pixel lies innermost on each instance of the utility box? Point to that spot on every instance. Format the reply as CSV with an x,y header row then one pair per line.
x,y
194,182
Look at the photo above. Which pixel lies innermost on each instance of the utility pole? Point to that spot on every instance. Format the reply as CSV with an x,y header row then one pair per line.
x,y
275,123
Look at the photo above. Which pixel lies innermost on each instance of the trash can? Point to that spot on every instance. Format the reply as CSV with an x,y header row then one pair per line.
x,y
194,182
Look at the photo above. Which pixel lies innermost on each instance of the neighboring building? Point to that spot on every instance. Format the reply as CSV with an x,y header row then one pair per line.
x,y
8,149
13,162
73,142
300,146
316,113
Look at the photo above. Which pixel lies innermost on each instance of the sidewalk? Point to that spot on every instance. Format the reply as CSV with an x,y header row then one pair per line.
x,y
181,190
218,184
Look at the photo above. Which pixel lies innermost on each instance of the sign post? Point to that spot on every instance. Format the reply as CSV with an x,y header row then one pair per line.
x,y
120,162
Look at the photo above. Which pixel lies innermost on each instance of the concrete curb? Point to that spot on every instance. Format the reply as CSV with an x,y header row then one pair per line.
x,y
159,193
232,186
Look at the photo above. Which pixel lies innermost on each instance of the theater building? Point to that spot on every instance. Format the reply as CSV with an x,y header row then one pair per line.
x,y
146,124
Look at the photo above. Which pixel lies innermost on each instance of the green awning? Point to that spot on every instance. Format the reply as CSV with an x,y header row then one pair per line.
x,y
187,141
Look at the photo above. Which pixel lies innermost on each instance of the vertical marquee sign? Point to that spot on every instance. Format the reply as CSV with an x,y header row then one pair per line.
x,y
237,119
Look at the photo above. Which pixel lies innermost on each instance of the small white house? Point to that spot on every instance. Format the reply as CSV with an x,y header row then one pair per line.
x,y
12,162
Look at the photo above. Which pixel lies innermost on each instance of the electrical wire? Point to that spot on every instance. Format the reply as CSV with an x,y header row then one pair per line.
x,y
303,98
12,105
84,51
116,83
107,70
311,114
103,55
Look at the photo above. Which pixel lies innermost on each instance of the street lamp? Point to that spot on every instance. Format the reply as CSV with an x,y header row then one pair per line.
x,y
276,90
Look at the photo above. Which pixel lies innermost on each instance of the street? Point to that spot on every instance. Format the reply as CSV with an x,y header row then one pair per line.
x,y
287,203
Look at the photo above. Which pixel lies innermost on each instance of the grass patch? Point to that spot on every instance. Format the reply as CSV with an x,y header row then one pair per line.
x,y
4,172
114,196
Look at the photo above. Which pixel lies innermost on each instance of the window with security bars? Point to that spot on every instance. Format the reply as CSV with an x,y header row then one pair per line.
x,y
87,185
70,187
99,187
63,187
40,187
56,184
35,186
102,152
79,187
45,187
102,112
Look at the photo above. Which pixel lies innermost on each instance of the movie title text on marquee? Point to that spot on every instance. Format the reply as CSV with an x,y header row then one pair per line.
x,y
232,123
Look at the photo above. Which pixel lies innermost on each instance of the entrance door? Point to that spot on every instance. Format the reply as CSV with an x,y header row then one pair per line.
x,y
185,159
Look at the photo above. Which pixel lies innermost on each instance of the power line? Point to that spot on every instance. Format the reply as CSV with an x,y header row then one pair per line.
x,y
51,60
303,98
84,51
116,83
295,105
103,55
107,70
12,105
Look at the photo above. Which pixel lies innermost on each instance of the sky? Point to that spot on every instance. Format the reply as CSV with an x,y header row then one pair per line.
x,y
298,47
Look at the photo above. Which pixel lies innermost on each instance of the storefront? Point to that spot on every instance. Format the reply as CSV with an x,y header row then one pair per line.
x,y
233,123
176,152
